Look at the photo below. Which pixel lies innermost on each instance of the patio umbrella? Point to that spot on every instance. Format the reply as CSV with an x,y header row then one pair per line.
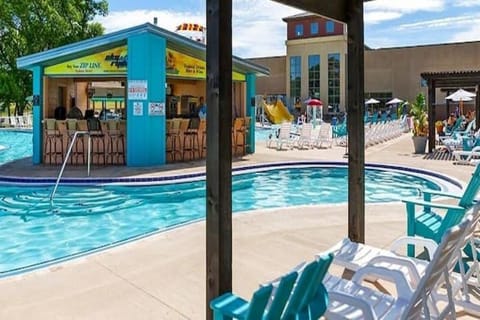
x,y
461,95
371,101
315,103
394,101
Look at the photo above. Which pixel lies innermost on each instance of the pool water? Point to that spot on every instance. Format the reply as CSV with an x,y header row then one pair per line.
x,y
87,218
17,145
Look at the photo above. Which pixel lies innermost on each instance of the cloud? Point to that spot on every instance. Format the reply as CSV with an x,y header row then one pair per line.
x,y
385,10
470,34
466,3
257,26
448,22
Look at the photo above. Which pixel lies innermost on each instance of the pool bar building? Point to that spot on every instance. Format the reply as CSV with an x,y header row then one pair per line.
x,y
162,76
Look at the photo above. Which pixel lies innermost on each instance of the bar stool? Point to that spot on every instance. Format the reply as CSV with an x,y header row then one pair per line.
x,y
184,123
190,139
237,135
98,139
115,144
173,139
78,150
202,137
246,135
122,127
53,141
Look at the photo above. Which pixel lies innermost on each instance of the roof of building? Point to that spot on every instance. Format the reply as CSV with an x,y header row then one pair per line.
x,y
98,44
300,15
425,45
469,78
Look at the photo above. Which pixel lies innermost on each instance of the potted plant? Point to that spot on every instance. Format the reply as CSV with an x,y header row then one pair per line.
x,y
418,112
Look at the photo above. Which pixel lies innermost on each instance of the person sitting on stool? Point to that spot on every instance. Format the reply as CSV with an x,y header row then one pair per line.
x,y
202,111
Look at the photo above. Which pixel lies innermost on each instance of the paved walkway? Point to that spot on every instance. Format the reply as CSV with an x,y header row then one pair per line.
x,y
163,276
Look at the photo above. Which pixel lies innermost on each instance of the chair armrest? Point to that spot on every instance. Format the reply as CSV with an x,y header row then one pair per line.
x,y
433,205
345,298
398,261
227,306
396,277
442,193
401,242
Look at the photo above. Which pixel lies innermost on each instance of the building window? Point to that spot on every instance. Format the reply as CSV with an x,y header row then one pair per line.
x,y
314,76
314,28
330,26
334,80
299,30
295,76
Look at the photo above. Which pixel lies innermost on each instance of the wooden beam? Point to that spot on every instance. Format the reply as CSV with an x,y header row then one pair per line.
x,y
355,121
219,150
332,9
477,106
431,115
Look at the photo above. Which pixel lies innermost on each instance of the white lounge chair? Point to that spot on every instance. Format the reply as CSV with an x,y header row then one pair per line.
x,y
304,137
471,157
351,300
324,138
281,137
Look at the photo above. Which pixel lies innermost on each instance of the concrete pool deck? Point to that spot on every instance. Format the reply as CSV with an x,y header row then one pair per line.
x,y
163,276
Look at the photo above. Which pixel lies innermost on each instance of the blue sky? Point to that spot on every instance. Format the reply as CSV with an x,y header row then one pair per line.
x,y
258,29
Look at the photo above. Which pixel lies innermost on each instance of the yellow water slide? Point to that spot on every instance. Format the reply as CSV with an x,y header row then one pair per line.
x,y
277,113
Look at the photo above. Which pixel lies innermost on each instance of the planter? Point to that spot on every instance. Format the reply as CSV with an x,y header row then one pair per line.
x,y
419,144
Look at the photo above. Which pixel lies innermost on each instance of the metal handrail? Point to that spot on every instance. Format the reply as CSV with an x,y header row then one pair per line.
x,y
70,147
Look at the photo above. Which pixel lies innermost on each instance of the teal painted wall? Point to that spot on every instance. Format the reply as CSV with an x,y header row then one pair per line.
x,y
37,114
251,80
146,133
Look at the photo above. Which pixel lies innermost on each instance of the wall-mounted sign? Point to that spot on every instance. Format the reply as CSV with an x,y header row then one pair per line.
x,y
138,108
156,109
183,66
137,89
112,61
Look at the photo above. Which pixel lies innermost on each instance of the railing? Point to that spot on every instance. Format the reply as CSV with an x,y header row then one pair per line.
x,y
70,147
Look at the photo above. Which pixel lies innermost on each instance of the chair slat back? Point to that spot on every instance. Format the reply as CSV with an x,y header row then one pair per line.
x,y
285,130
281,296
258,303
471,190
304,281
440,265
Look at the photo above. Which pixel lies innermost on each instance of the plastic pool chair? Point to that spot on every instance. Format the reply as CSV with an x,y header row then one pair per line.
x,y
352,300
309,297
429,224
231,306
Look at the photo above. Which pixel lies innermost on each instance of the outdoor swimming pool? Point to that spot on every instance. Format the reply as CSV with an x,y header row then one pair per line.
x,y
17,145
84,219
89,217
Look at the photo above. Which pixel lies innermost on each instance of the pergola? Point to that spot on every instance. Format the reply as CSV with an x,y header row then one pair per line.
x,y
219,119
452,79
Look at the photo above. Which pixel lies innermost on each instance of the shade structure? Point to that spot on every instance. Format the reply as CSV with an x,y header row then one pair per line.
x,y
394,101
315,103
372,101
461,95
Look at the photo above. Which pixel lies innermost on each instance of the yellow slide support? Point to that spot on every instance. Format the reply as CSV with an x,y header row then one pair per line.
x,y
277,113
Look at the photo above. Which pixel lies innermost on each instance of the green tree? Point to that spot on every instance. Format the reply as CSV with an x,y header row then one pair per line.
x,y
28,27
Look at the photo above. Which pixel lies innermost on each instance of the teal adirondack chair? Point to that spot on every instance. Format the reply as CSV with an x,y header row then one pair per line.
x,y
309,299
431,225
228,305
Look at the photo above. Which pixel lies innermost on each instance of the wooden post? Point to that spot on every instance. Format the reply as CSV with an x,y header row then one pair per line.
x,y
431,115
355,121
477,106
219,150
